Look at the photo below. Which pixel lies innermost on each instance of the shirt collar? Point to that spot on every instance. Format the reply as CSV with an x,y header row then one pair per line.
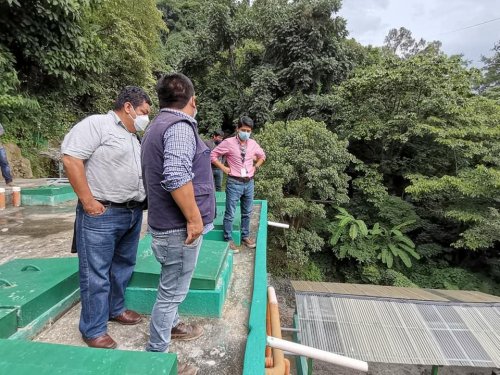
x,y
179,113
119,122
115,118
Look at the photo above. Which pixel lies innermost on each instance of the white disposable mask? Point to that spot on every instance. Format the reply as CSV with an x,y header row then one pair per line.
x,y
140,121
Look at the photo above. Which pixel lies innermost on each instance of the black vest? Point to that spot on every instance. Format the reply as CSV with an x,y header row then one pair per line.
x,y
163,212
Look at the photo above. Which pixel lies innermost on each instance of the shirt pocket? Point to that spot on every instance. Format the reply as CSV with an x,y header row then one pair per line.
x,y
114,140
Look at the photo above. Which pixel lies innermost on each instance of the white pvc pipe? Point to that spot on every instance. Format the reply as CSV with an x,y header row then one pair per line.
x,y
271,295
278,225
314,353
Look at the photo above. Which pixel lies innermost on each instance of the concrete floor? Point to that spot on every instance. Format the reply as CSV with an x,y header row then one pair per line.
x,y
43,232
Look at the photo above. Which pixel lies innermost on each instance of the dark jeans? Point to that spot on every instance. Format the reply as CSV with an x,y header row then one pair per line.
x,y
217,178
107,249
4,165
243,192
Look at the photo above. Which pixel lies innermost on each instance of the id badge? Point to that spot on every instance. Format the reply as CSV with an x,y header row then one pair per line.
x,y
243,172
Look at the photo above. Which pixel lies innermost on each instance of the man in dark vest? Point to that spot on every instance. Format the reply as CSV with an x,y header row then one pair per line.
x,y
180,189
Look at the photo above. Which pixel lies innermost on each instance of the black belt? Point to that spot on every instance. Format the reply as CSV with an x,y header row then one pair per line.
x,y
242,179
128,204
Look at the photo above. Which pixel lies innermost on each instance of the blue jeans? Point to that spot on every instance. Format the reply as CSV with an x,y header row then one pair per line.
x,y
178,262
107,249
4,165
243,192
217,178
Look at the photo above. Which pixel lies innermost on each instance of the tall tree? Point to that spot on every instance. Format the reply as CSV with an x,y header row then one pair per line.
x,y
490,86
401,43
49,37
298,187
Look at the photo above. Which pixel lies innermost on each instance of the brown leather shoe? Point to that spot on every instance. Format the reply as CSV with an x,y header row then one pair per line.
x,y
128,317
233,247
186,332
187,369
102,342
249,242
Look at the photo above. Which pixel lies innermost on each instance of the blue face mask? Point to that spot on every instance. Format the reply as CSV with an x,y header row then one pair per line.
x,y
244,136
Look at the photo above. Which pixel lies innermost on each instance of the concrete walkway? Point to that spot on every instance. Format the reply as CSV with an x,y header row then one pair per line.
x,y
42,232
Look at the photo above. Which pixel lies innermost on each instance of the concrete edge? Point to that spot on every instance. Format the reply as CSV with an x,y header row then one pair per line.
x,y
254,362
49,316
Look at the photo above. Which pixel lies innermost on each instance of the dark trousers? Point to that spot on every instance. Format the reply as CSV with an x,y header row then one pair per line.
x,y
4,165
217,179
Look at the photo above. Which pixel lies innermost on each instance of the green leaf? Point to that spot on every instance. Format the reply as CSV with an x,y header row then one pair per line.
x,y
362,227
384,256
406,241
397,232
344,211
344,221
390,259
410,251
406,223
394,249
336,236
405,258
353,231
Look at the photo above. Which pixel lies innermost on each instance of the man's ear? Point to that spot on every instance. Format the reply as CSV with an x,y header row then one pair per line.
x,y
128,107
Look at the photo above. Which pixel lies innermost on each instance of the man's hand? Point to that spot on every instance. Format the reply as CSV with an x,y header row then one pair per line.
x,y
226,170
93,207
75,170
194,230
184,198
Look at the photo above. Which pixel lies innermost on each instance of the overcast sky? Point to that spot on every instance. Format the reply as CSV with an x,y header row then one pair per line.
x,y
369,21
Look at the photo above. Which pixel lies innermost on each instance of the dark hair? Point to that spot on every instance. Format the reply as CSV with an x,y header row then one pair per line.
x,y
174,90
217,132
133,95
245,121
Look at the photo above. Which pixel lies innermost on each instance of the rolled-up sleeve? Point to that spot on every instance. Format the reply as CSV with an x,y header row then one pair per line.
x,y
179,148
259,152
82,140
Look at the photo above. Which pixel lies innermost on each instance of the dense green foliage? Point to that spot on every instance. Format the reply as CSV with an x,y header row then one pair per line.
x,y
385,161
62,59
293,184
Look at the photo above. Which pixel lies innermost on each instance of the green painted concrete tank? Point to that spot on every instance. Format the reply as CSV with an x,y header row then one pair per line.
x,y
33,286
47,195
27,358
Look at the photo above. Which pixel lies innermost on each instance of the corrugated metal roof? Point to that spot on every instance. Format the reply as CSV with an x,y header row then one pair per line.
x,y
392,292
398,331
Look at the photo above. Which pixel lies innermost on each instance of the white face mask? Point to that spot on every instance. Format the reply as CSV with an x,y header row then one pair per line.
x,y
140,121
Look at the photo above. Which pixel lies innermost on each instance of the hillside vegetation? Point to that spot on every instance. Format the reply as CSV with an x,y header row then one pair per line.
x,y
385,161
